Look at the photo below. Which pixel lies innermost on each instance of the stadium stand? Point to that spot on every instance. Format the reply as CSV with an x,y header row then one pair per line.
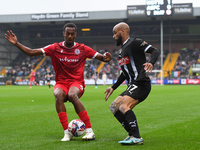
x,y
169,64
180,33
180,66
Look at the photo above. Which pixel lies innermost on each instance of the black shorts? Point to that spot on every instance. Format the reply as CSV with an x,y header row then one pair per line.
x,y
138,90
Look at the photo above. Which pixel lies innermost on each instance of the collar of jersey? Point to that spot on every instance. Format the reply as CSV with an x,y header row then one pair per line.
x,y
126,41
68,47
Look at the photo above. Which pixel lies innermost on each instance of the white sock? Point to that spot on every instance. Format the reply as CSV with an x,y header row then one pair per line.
x,y
65,131
89,130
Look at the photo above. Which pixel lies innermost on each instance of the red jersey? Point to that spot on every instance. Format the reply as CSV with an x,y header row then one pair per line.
x,y
69,63
32,74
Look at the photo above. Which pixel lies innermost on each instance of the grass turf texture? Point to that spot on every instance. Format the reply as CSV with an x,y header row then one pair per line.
x,y
169,119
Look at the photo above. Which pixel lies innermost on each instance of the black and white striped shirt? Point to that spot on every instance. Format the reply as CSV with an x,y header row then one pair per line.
x,y
132,57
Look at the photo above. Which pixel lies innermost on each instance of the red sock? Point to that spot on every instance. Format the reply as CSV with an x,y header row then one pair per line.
x,y
63,119
85,118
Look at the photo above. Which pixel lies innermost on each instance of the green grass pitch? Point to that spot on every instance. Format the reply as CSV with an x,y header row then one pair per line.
x,y
169,119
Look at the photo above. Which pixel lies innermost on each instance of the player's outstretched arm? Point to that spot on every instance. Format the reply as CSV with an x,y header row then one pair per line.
x,y
106,57
12,38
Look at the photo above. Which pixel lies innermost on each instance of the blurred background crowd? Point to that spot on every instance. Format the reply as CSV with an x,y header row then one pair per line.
x,y
21,67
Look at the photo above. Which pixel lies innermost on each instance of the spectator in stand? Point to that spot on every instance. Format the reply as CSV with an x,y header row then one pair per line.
x,y
104,78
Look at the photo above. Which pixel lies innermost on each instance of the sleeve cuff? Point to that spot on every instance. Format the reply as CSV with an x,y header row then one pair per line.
x,y
43,51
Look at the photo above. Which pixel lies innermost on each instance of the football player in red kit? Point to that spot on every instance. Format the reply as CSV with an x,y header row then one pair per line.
x,y
32,79
68,59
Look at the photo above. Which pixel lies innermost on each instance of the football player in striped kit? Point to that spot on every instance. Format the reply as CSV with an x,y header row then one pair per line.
x,y
134,66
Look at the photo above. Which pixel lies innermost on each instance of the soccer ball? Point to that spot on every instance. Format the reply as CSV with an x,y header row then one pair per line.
x,y
76,127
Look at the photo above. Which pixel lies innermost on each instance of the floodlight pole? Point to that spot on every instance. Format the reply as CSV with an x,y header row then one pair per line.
x,y
161,49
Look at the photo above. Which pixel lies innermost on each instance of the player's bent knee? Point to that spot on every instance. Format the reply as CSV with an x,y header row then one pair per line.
x,y
113,108
59,95
122,108
72,97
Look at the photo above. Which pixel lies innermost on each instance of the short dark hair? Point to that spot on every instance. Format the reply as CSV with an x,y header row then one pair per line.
x,y
71,25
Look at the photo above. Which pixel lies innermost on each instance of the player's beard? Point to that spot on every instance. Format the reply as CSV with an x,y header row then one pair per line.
x,y
119,40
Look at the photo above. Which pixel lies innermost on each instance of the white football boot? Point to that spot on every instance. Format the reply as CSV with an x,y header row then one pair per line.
x,y
89,135
67,136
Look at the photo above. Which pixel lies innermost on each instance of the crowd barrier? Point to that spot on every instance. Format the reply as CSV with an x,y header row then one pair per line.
x,y
110,82
176,81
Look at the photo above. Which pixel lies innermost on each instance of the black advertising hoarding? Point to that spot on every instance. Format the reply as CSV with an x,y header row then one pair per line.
x,y
158,7
136,11
182,9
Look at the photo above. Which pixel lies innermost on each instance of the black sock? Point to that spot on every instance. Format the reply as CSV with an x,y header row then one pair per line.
x,y
132,121
121,118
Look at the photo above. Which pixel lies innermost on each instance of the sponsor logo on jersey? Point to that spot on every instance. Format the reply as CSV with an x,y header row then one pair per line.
x,y
69,60
124,61
61,50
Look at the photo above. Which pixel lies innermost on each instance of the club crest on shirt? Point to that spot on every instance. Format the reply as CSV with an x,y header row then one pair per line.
x,y
77,51
120,50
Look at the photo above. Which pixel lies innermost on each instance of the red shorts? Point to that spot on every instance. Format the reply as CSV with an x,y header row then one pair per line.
x,y
68,85
32,79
